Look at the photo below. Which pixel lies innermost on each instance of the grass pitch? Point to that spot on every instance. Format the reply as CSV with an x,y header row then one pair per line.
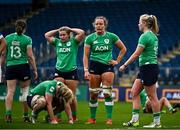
x,y
121,113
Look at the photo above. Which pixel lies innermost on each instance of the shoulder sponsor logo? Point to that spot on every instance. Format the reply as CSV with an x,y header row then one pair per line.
x,y
60,44
95,42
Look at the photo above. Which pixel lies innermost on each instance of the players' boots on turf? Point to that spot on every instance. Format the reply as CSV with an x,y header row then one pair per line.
x,y
152,125
26,119
8,118
109,122
131,124
91,121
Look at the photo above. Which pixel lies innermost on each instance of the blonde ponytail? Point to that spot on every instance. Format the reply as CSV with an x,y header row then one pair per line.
x,y
155,27
151,22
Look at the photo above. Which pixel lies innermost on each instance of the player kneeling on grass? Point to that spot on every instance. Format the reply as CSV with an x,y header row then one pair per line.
x,y
147,106
41,98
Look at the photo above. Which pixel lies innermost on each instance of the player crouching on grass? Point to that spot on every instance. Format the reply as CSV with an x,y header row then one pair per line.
x,y
41,98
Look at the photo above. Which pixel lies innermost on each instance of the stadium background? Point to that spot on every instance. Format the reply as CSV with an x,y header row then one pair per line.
x,y
123,15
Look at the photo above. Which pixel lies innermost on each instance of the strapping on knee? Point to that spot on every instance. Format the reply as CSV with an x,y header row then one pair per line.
x,y
24,94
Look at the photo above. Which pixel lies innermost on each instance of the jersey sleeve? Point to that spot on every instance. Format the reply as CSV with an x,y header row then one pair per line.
x,y
88,41
50,90
54,41
75,41
29,42
115,38
143,40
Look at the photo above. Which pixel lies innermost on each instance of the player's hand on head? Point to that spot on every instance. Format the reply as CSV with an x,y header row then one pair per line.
x,y
65,27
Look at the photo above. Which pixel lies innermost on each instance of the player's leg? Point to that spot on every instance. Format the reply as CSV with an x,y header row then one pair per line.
x,y
11,87
59,76
94,90
23,98
152,95
24,81
135,91
107,82
149,77
72,84
37,103
164,102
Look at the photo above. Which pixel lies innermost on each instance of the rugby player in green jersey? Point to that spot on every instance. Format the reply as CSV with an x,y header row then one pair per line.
x,y
18,56
42,97
147,50
66,51
163,101
99,46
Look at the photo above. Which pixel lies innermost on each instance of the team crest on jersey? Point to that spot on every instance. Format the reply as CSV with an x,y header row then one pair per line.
x,y
68,44
106,41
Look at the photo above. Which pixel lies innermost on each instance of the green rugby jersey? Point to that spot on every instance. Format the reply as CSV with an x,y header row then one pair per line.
x,y
66,54
149,41
16,49
101,46
46,87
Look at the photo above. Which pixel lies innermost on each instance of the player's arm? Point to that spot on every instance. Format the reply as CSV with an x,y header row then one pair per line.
x,y
50,35
122,49
133,57
79,34
85,60
3,58
2,45
49,99
69,113
32,61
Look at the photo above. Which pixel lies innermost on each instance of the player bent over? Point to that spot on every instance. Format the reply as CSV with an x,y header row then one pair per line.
x,y
41,98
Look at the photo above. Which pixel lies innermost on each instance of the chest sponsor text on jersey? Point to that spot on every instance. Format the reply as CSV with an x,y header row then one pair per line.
x,y
101,48
64,50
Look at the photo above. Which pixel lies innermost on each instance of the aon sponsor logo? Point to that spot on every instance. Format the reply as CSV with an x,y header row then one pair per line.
x,y
101,48
64,49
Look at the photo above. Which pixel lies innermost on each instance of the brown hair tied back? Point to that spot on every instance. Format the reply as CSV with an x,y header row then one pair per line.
x,y
20,26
